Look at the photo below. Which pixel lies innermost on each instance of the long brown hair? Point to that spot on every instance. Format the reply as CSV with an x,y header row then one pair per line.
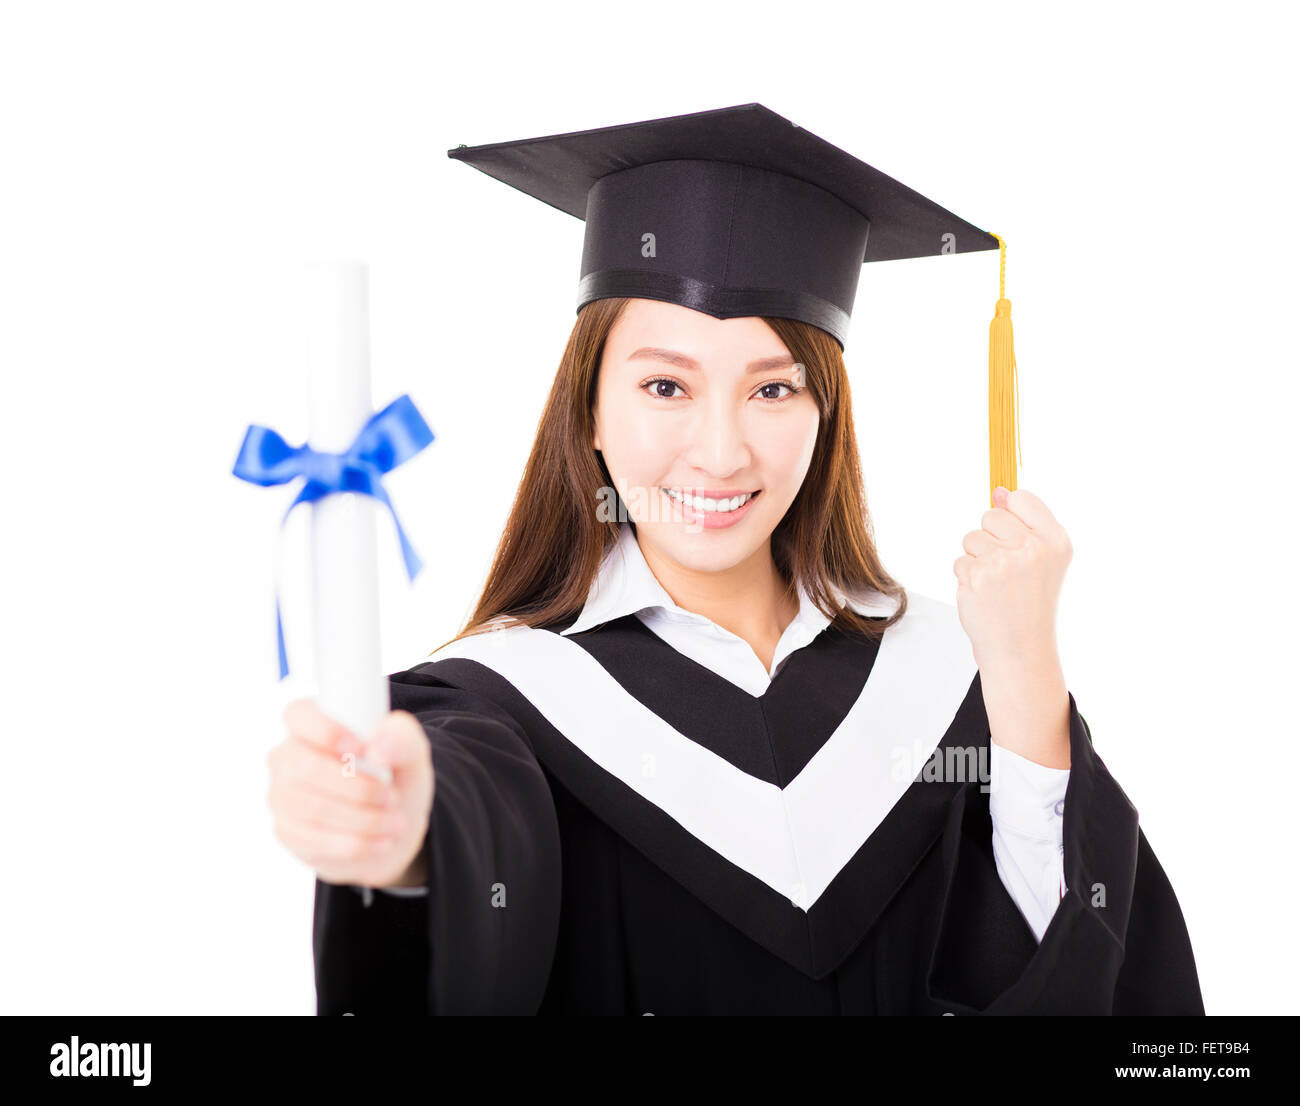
x,y
555,539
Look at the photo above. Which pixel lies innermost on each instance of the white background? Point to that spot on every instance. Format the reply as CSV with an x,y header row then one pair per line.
x,y
169,167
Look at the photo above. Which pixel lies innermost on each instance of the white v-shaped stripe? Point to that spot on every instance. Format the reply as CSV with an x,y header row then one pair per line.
x,y
796,839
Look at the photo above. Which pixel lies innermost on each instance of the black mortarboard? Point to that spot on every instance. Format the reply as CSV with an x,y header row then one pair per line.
x,y
748,213
738,212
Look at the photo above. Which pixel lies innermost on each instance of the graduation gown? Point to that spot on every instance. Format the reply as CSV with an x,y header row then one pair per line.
x,y
616,829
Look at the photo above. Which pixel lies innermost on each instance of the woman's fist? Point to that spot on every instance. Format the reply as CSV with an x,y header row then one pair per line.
x,y
348,826
1009,581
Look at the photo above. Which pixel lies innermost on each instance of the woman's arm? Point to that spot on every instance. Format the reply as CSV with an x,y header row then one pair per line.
x,y
493,838
1117,942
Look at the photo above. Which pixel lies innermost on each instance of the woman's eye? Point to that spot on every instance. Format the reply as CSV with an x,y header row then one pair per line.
x,y
658,385
776,384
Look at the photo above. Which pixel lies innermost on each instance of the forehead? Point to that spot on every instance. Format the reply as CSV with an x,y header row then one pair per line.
x,y
708,340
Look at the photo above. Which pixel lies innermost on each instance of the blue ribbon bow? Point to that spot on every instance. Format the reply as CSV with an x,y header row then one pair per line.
x,y
391,436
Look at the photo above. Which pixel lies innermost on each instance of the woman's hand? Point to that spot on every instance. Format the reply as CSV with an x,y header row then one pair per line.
x,y
1009,581
1008,585
350,827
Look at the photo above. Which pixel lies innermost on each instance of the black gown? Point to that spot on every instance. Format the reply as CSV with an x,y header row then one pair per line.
x,y
616,829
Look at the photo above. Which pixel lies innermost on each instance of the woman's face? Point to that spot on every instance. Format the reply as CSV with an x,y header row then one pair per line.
x,y
689,405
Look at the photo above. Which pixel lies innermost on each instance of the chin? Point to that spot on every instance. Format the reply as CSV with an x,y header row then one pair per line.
x,y
712,550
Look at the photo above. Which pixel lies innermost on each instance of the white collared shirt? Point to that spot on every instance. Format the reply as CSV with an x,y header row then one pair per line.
x,y
626,585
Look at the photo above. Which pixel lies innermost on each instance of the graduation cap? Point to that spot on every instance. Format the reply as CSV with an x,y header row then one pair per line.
x,y
738,212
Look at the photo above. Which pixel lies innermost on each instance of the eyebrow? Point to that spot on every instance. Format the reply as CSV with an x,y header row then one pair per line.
x,y
653,353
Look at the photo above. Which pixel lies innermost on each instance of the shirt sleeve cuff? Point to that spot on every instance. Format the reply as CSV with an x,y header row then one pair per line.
x,y
1025,797
368,893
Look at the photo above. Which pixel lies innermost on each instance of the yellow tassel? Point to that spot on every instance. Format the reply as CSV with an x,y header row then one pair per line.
x,y
1004,391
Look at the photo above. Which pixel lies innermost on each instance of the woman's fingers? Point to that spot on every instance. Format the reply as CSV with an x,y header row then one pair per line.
x,y
347,825
302,801
306,721
301,765
325,848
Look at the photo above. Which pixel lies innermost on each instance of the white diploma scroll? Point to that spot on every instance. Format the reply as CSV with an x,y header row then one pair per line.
x,y
353,687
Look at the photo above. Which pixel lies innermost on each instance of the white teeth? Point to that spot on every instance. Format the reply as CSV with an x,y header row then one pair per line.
x,y
715,505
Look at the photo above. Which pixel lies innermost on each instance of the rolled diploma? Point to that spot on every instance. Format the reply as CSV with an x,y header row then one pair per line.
x,y
345,571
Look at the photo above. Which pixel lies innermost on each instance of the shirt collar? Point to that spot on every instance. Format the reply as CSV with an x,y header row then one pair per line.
x,y
625,585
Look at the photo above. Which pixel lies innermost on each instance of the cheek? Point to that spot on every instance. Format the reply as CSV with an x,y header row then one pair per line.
x,y
638,447
789,446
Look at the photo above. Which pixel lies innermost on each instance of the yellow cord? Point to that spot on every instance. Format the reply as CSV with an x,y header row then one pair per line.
x,y
1004,388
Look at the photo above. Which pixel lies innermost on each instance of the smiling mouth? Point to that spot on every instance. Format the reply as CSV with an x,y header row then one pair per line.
x,y
705,503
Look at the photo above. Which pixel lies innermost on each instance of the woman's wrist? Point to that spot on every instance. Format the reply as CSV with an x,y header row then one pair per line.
x,y
416,874
1028,708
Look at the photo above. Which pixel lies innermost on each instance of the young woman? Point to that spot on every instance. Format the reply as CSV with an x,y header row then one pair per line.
x,y
643,814
696,751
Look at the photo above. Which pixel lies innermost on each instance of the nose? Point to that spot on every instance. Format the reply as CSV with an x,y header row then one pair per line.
x,y
719,442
